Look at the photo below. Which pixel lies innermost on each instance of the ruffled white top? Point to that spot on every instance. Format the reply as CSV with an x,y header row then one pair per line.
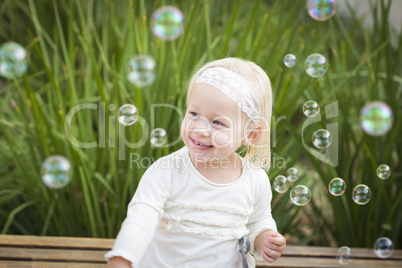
x,y
178,218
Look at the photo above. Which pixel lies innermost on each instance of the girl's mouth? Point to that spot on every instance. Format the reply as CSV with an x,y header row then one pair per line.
x,y
200,145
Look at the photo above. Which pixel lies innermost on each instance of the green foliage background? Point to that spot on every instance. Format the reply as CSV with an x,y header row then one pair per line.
x,y
79,51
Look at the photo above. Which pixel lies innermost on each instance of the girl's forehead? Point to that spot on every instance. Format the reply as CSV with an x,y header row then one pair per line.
x,y
206,94
215,102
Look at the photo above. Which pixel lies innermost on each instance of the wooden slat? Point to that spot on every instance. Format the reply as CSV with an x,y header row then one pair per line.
x,y
328,262
38,264
365,253
48,241
42,254
38,251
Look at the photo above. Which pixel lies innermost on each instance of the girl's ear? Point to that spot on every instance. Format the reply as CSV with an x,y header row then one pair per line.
x,y
253,136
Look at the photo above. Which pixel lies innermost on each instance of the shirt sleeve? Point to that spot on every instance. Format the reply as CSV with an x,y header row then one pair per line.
x,y
143,215
261,219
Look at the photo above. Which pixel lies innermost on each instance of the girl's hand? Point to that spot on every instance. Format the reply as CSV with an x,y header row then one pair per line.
x,y
271,245
119,262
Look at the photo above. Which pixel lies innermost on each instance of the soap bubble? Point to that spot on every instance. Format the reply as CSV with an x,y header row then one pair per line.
x,y
316,65
13,60
383,172
376,118
158,137
56,172
300,195
321,9
167,22
280,184
292,174
290,60
128,115
311,108
141,70
337,186
344,255
322,139
383,247
361,194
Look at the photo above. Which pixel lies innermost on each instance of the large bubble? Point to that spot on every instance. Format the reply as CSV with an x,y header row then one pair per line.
x,y
300,195
141,70
311,108
280,184
316,65
322,138
128,115
361,194
376,118
321,9
56,171
337,186
383,247
13,60
167,22
158,137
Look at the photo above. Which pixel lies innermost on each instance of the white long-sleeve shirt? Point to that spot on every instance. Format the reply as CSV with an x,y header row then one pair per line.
x,y
178,218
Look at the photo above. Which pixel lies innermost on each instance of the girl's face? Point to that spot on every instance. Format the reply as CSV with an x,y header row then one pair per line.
x,y
214,126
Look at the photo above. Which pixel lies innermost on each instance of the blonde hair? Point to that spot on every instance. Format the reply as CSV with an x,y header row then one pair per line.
x,y
260,152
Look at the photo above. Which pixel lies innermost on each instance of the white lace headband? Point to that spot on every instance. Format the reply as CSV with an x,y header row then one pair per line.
x,y
233,85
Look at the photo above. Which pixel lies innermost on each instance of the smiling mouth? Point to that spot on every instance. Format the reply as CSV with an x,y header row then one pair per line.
x,y
201,144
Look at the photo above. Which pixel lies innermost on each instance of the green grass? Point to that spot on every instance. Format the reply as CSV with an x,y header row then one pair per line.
x,y
78,52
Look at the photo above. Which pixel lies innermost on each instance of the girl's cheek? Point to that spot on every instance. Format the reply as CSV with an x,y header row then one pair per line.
x,y
183,128
221,139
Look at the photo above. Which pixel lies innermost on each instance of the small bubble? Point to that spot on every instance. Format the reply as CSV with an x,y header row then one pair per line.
x,y
376,118
167,22
56,172
321,9
300,195
316,65
112,107
361,194
128,115
337,186
383,247
383,172
344,255
158,137
280,184
322,139
292,174
13,60
141,70
290,60
311,108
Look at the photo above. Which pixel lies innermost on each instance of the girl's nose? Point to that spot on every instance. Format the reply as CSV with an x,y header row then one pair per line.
x,y
204,132
202,127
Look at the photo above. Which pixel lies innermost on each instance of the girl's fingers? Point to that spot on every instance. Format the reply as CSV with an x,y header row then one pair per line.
x,y
275,243
277,240
276,248
273,254
273,246
266,258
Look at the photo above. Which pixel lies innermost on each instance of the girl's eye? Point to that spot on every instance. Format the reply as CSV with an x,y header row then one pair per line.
x,y
218,123
194,114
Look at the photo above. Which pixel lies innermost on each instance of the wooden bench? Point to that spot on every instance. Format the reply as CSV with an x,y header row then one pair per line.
x,y
42,251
